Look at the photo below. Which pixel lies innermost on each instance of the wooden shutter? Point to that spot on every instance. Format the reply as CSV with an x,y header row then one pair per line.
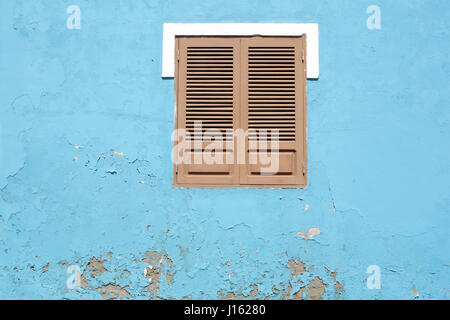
x,y
208,92
247,83
273,79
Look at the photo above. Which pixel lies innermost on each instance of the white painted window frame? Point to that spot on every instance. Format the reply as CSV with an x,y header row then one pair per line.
x,y
171,30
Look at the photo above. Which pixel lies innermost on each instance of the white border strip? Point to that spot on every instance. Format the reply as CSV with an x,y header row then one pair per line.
x,y
170,30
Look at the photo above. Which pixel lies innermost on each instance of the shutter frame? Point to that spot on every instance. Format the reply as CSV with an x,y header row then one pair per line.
x,y
293,155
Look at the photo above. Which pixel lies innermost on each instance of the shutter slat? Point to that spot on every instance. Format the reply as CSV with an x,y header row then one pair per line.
x,y
206,56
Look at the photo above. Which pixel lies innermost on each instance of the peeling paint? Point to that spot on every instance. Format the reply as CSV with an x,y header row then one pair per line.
x,y
155,263
86,175
296,267
234,296
112,291
96,267
316,289
285,294
313,231
83,281
299,294
338,289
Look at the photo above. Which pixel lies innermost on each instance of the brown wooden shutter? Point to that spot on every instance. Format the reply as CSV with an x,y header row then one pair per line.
x,y
208,92
248,83
273,80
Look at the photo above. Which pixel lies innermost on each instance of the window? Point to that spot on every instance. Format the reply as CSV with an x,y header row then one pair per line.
x,y
240,114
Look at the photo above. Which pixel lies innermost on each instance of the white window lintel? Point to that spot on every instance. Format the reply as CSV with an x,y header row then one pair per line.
x,y
171,30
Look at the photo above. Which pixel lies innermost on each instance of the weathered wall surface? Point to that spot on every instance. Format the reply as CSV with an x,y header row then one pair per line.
x,y
86,175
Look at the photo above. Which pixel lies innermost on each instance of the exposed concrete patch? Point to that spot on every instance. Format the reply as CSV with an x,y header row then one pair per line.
x,y
296,267
152,272
96,267
112,291
313,231
316,289
233,296
338,289
83,281
152,275
254,291
299,294
286,294
152,258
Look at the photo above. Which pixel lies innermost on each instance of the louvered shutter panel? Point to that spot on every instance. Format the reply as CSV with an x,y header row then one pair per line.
x,y
208,94
273,79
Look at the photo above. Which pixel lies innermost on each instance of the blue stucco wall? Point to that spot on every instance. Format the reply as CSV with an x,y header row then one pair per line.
x,y
86,175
